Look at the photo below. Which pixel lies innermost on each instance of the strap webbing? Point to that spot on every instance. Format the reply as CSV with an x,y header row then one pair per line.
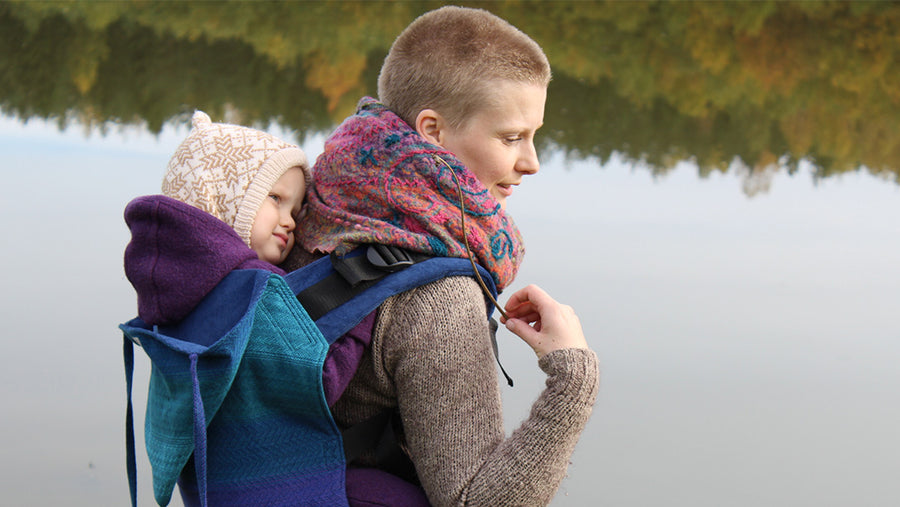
x,y
359,437
328,294
353,274
356,272
377,434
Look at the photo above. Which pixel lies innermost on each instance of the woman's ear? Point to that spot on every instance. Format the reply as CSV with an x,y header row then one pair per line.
x,y
430,125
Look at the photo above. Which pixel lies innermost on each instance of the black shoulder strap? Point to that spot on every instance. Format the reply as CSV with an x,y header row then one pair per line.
x,y
354,273
328,284
339,291
369,275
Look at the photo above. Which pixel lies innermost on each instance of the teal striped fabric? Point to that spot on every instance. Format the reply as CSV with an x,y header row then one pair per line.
x,y
236,396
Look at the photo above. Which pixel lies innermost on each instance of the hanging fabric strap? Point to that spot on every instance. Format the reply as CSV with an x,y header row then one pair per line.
x,y
199,432
199,426
131,462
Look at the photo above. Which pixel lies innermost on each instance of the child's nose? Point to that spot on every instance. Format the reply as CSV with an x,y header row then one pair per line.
x,y
287,220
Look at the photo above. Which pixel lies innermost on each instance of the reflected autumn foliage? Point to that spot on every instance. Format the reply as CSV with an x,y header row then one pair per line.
x,y
749,86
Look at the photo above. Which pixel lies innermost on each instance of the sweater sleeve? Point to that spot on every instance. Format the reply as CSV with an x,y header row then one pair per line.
x,y
433,347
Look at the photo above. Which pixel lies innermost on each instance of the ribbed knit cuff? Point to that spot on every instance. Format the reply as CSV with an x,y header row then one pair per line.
x,y
573,373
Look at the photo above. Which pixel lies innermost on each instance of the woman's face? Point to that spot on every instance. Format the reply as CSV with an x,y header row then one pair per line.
x,y
497,143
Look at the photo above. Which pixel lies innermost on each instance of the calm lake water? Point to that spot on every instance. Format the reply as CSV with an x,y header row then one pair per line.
x,y
746,321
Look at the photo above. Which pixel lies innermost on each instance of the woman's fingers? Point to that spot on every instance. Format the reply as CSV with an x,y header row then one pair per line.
x,y
542,322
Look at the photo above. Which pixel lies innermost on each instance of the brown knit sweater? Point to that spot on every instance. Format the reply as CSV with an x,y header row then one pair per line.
x,y
431,357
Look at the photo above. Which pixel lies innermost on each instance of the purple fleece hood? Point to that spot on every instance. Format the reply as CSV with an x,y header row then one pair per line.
x,y
178,254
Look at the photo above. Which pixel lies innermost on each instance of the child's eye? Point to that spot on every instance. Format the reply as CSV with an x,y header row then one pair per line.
x,y
275,198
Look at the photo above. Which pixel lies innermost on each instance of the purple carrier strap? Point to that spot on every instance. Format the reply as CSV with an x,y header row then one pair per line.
x,y
343,358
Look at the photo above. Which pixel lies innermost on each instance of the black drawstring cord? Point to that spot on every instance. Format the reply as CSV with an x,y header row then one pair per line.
x,y
462,218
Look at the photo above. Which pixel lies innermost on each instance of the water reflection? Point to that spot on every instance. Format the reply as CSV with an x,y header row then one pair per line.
x,y
753,87
749,347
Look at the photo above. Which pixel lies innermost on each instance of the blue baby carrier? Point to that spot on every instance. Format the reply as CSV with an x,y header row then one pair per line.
x,y
236,411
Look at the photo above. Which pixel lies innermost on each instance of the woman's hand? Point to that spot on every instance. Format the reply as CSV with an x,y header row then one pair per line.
x,y
542,322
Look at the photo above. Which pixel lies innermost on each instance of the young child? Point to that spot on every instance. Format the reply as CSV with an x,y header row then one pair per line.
x,y
231,199
462,96
235,413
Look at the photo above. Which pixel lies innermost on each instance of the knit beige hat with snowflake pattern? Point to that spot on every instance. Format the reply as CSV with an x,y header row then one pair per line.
x,y
228,170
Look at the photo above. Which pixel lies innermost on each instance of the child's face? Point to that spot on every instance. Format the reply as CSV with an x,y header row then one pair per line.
x,y
271,236
497,143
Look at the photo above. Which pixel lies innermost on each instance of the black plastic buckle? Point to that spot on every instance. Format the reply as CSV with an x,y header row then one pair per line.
x,y
389,258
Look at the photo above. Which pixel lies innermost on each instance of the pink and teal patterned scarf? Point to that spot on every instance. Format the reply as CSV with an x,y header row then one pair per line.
x,y
379,182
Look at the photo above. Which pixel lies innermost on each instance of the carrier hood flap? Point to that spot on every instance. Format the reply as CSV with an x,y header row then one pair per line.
x,y
177,255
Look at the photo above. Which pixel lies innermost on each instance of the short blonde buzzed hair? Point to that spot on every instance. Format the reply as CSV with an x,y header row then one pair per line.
x,y
446,60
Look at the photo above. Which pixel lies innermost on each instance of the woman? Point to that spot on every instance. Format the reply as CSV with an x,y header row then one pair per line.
x,y
433,175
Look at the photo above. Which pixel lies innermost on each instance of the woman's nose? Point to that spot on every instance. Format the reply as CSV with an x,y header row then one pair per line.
x,y
528,160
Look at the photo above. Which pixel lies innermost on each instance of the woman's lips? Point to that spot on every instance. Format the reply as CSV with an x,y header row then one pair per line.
x,y
505,190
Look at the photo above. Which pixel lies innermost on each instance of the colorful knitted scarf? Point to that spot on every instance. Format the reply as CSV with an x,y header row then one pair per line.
x,y
378,181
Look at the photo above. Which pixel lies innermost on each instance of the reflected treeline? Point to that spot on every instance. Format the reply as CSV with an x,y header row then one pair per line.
x,y
751,85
